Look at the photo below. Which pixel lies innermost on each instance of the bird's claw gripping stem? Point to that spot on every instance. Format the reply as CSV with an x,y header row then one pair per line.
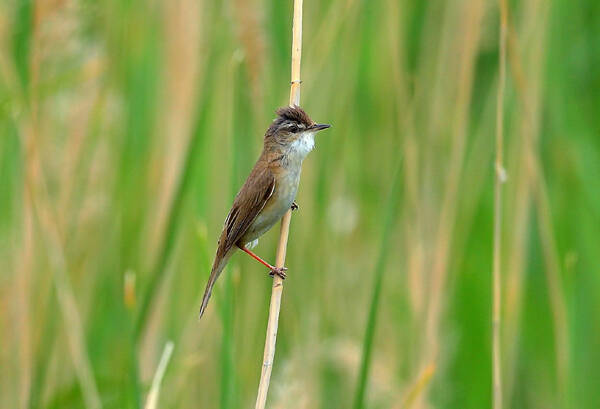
x,y
278,271
295,206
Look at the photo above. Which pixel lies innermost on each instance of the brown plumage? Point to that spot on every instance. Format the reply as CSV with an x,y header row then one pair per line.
x,y
269,190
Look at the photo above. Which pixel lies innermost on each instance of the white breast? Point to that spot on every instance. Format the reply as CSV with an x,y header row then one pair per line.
x,y
302,146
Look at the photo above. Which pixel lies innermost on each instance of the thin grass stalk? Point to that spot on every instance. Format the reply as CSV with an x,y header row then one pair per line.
x,y
23,306
277,289
520,219
390,218
415,391
553,278
500,178
152,400
44,351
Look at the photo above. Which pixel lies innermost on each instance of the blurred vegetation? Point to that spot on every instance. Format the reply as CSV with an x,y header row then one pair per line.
x,y
126,128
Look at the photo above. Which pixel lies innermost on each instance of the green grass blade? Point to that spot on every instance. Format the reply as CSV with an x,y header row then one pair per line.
x,y
388,225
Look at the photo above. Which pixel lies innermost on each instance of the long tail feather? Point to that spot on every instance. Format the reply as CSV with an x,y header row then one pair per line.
x,y
217,268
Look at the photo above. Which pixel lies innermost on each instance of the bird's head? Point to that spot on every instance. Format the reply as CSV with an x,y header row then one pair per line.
x,y
293,131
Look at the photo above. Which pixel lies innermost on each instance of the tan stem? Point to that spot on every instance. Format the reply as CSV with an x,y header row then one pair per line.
x,y
271,337
500,178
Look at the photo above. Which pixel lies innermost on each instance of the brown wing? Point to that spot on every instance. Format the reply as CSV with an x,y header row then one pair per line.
x,y
248,203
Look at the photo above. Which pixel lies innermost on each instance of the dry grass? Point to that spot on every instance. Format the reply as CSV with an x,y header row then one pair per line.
x,y
277,289
152,399
500,173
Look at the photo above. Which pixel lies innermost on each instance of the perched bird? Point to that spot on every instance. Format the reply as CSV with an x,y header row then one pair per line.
x,y
268,192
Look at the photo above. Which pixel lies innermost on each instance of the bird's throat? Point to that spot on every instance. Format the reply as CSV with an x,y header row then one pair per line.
x,y
301,147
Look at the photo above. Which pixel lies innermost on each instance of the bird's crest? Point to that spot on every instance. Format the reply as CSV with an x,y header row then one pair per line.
x,y
294,113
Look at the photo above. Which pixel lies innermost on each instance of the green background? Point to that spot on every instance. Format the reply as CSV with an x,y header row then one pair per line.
x,y
126,128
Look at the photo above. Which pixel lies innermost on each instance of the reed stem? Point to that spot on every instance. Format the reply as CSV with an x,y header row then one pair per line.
x,y
277,289
500,178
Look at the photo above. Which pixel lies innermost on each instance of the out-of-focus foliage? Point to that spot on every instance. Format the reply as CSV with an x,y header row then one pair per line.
x,y
126,128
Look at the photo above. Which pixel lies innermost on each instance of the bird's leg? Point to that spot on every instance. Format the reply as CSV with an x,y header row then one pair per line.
x,y
295,206
255,257
280,271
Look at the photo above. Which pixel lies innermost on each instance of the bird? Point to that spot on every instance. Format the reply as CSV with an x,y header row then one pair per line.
x,y
269,190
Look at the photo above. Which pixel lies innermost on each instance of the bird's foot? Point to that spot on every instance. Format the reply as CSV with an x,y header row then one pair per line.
x,y
295,206
278,271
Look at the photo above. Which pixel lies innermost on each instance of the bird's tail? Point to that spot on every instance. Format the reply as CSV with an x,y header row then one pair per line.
x,y
217,268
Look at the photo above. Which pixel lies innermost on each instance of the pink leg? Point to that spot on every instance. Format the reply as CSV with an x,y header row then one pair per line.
x,y
255,257
274,270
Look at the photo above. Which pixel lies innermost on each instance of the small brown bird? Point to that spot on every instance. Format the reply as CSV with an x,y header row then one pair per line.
x,y
268,192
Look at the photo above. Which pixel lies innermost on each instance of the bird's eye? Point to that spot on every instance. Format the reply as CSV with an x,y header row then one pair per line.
x,y
293,128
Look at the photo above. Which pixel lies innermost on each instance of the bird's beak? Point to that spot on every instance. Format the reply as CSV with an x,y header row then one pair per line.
x,y
319,127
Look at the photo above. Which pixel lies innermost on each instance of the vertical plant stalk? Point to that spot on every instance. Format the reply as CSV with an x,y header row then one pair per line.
x,y
384,251
152,400
277,289
500,178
